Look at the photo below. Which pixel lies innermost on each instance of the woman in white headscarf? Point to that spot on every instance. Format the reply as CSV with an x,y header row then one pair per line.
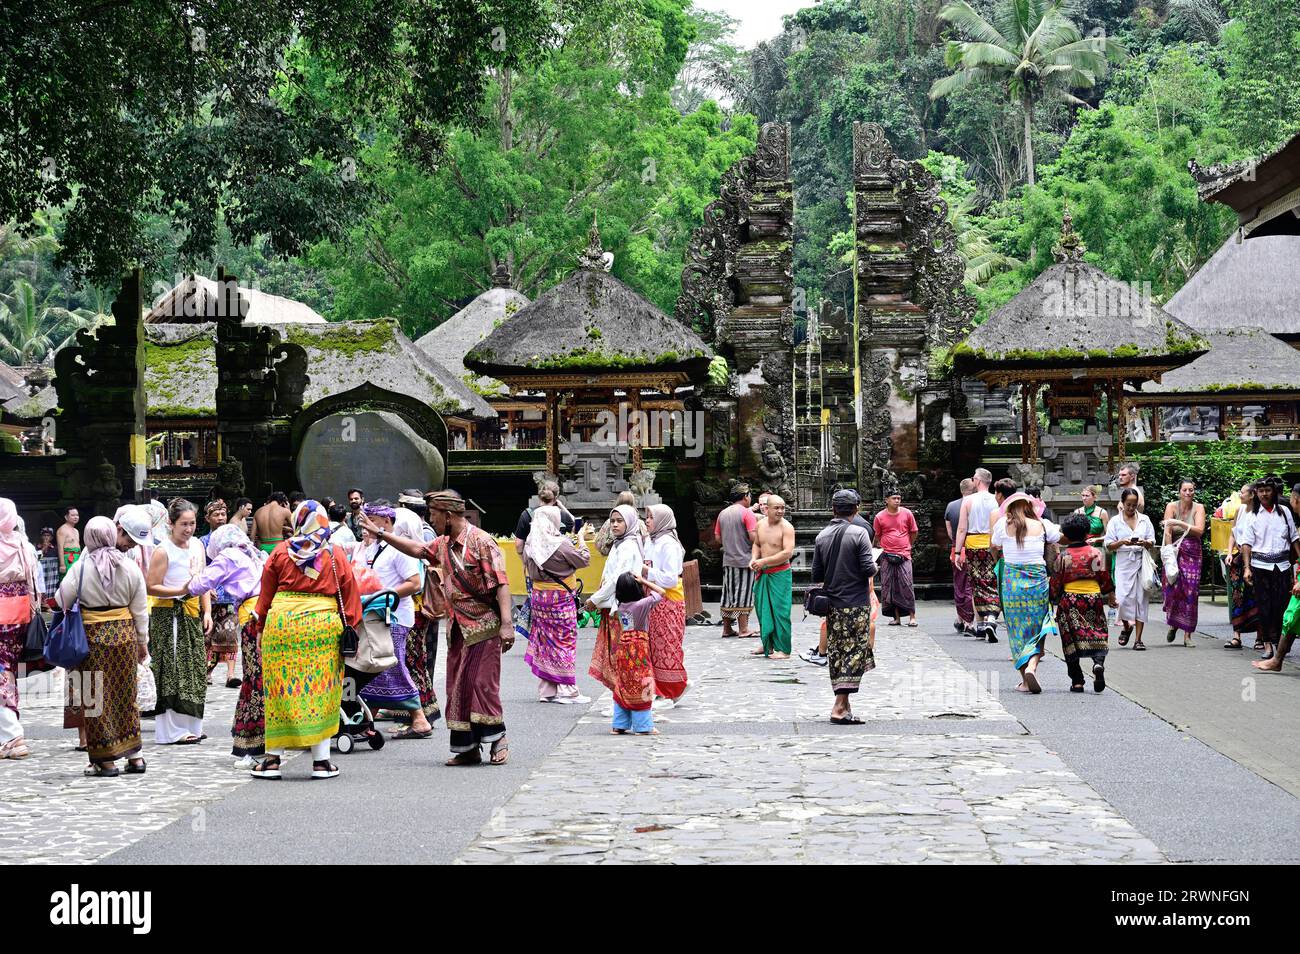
x,y
114,608
233,576
626,555
551,561
667,623
17,603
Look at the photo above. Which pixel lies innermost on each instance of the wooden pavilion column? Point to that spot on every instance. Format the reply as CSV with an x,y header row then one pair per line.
x,y
552,438
1032,409
1110,419
1122,436
634,435
1024,423
1155,422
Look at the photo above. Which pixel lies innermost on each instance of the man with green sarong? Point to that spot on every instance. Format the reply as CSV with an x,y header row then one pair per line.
x,y
772,549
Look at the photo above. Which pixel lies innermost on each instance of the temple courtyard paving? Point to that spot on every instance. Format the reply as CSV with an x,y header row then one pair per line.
x,y
1189,758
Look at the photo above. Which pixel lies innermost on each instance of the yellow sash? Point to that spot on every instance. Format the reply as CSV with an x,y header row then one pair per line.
x,y
286,601
246,610
979,541
89,617
549,585
1083,587
190,605
677,593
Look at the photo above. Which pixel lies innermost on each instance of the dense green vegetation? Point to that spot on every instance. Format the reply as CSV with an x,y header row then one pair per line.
x,y
381,159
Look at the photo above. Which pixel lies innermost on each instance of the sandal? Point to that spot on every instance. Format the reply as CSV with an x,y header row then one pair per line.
x,y
500,751
913,624
849,719
1187,641
325,769
474,757
1171,635
136,766
1031,682
14,749
269,768
96,770
412,734
233,683
189,740
1076,687
1234,643
1138,645
1124,634
895,622
1098,677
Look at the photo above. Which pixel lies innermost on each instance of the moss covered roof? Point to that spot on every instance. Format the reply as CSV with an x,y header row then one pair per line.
x,y
1075,314
181,369
1242,360
451,341
591,321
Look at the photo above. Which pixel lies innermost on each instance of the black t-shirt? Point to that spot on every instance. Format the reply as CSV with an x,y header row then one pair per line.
x,y
525,523
952,516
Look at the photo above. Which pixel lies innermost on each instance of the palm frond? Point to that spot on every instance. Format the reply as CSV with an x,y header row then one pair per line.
x,y
962,16
987,54
946,85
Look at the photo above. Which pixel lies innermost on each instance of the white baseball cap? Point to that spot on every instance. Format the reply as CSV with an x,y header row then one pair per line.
x,y
135,522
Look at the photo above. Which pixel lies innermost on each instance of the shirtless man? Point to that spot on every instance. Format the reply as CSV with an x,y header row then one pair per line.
x,y
271,522
69,538
772,549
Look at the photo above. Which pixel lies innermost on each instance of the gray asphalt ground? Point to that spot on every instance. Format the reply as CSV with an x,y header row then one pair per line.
x,y
1196,803
399,805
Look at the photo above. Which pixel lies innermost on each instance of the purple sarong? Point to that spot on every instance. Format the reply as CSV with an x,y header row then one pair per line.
x,y
1182,600
963,595
553,636
394,688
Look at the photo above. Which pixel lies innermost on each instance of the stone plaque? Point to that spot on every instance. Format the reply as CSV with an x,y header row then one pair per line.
x,y
374,450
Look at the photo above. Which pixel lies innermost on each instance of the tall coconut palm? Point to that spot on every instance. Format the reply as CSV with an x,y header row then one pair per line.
x,y
1032,49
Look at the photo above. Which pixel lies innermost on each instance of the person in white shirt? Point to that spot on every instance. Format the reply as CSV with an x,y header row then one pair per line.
x,y
1242,612
1268,547
395,687
1021,538
1130,536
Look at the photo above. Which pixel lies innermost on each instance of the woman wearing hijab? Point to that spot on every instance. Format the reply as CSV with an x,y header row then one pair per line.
x,y
626,555
551,560
17,603
234,578
667,625
308,593
115,611
177,627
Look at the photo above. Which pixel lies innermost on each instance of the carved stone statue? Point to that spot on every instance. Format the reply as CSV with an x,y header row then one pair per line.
x,y
772,467
230,475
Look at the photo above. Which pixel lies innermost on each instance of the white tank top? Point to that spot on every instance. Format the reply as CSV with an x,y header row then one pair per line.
x,y
982,507
182,563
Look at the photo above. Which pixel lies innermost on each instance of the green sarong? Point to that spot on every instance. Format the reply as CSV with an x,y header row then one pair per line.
x,y
772,588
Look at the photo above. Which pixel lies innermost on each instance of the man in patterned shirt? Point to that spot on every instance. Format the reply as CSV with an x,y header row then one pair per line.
x,y
475,597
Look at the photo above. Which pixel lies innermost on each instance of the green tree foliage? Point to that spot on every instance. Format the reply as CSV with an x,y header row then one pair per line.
x,y
591,131
119,110
1261,96
1218,467
1031,49
32,328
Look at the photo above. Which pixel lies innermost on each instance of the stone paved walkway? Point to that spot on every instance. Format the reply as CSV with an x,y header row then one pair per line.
x,y
51,814
749,769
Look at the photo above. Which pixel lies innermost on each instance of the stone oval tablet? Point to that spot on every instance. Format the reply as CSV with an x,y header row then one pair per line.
x,y
374,450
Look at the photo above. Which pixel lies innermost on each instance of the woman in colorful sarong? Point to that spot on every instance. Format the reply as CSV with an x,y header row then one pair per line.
x,y
1081,588
1020,538
1243,613
115,612
411,523
1129,536
234,577
17,603
663,567
177,628
626,555
1185,518
394,689
308,593
551,560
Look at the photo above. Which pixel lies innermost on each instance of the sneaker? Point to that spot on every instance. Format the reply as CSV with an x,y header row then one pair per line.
x,y
569,700
245,763
814,657
663,703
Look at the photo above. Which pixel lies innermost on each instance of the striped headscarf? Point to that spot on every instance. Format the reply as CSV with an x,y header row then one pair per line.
x,y
311,532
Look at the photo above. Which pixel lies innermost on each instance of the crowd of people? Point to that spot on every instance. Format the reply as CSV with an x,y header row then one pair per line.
x,y
1010,560
281,586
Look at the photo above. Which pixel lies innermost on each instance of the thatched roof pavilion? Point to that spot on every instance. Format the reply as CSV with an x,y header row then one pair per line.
x,y
590,333
1078,332
1264,192
1245,285
451,341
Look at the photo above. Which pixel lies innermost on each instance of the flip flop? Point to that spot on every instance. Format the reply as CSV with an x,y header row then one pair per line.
x,y
412,734
913,624
894,622
189,740
1031,682
849,719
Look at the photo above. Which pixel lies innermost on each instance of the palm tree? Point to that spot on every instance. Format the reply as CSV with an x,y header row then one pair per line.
x,y
1032,48
30,328
983,260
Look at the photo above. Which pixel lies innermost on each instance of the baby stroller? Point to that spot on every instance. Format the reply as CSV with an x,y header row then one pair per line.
x,y
358,726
